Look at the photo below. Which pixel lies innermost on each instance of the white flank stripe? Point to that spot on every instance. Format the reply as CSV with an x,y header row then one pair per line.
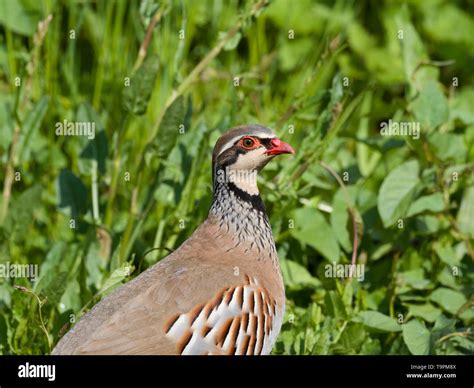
x,y
179,327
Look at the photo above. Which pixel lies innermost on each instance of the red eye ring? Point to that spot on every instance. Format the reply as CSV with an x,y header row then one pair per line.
x,y
249,143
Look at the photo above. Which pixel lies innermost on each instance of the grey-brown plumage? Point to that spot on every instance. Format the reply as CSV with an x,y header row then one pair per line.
x,y
220,292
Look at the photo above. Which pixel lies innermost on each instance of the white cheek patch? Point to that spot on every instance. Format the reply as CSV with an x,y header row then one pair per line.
x,y
250,160
243,173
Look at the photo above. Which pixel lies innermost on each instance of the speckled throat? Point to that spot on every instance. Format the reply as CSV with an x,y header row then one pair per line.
x,y
245,216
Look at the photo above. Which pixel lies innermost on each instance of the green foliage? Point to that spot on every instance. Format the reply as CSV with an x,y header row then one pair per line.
x,y
21,16
397,191
72,194
88,210
378,321
416,337
311,228
137,94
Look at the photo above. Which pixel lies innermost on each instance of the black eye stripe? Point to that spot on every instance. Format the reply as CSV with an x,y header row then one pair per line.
x,y
266,142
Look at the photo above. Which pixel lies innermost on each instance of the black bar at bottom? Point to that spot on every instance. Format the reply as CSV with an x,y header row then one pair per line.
x,y
313,371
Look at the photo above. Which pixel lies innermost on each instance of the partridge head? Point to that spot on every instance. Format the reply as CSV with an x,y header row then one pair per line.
x,y
221,291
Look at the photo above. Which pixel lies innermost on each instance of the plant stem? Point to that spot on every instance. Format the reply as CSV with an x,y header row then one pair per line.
x,y
146,42
352,211
457,334
393,284
117,162
7,185
99,78
95,193
40,306
11,57
31,66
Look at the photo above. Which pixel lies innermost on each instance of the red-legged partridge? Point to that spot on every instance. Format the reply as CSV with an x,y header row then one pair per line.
x,y
220,292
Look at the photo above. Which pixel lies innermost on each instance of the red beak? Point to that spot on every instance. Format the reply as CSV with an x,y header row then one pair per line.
x,y
279,147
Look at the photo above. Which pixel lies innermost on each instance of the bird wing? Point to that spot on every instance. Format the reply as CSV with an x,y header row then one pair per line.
x,y
192,302
234,320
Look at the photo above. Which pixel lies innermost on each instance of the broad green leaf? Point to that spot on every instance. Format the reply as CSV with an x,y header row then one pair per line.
x,y
166,194
168,131
292,52
116,278
295,274
446,253
444,325
464,342
381,250
450,300
324,341
351,339
431,203
20,216
233,42
414,278
413,52
446,278
428,224
6,291
426,311
339,220
21,16
430,107
447,23
51,262
302,18
7,122
371,346
416,337
54,272
71,298
5,334
461,105
367,157
448,146
378,321
53,287
465,217
397,191
412,46
138,93
95,151
375,56
335,305
454,171
72,194
285,342
95,265
31,125
310,227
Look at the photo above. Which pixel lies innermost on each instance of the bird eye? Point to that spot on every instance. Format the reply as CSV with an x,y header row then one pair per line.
x,y
248,142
